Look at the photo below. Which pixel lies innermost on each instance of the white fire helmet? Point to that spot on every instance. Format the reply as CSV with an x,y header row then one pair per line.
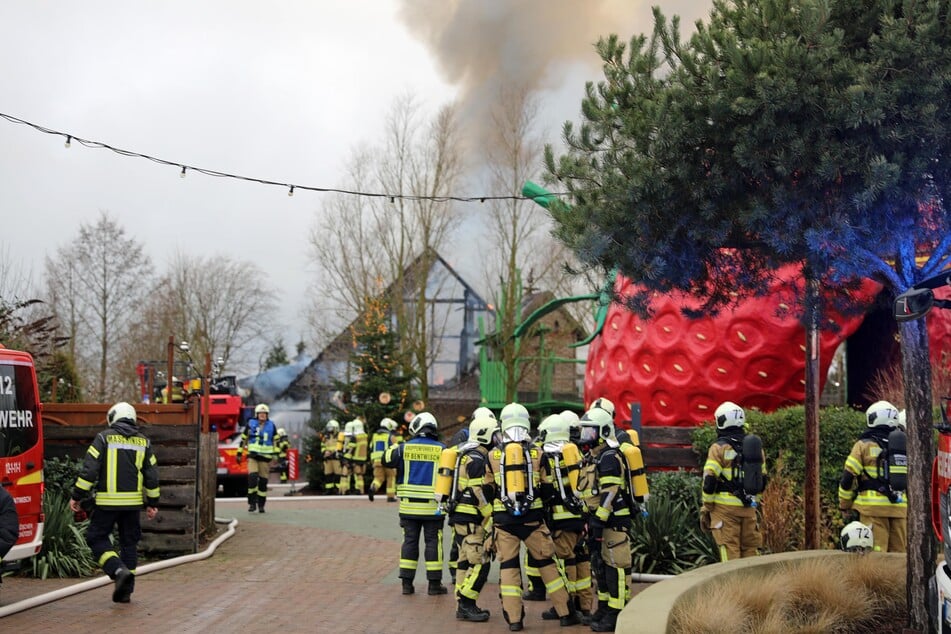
x,y
881,414
729,414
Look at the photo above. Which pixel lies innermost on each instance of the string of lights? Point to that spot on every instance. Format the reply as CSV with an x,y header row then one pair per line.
x,y
291,187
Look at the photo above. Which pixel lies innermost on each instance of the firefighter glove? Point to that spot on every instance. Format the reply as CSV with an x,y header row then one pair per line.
x,y
705,520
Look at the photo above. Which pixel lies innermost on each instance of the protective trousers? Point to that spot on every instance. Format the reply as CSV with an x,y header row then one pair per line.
x,y
357,470
331,476
889,534
381,476
566,543
472,566
583,570
614,564
736,531
537,539
431,530
100,527
258,469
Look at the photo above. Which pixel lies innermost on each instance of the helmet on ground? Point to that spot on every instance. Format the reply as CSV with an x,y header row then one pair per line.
x,y
388,424
281,431
729,414
357,426
856,537
482,429
261,408
555,429
121,412
902,421
596,424
514,422
604,404
881,414
332,426
483,411
422,422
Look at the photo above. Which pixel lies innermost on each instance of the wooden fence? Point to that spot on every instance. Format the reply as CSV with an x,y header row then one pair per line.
x,y
186,460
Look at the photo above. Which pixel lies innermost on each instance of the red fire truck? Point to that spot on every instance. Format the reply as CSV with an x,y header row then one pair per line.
x,y
21,449
227,412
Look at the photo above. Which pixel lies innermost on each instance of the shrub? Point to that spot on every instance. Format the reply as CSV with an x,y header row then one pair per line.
x,y
64,552
669,540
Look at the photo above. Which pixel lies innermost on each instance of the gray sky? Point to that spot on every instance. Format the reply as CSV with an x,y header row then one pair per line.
x,y
280,91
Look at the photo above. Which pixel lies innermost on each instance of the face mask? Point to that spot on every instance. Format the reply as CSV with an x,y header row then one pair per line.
x,y
588,435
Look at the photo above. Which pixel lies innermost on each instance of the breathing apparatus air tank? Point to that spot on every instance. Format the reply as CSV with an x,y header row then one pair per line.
x,y
341,437
635,469
445,477
571,457
515,471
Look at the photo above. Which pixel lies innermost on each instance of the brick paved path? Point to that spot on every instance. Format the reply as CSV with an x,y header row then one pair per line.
x,y
327,565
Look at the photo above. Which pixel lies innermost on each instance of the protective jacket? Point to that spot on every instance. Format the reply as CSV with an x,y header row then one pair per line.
x,y
475,487
122,467
535,512
560,516
378,444
720,467
416,462
259,439
604,487
862,485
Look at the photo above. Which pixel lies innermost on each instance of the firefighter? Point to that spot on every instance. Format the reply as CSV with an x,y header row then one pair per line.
x,y
331,457
559,466
518,516
355,456
582,555
258,441
471,516
729,511
345,450
416,462
121,466
283,444
536,586
604,488
379,443
864,489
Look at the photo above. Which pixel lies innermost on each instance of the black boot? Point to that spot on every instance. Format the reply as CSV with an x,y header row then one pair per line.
x,y
536,592
550,614
261,502
607,623
371,491
123,585
572,618
408,586
467,610
436,587
252,502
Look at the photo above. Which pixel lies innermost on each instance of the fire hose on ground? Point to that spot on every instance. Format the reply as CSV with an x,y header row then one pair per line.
x,y
98,582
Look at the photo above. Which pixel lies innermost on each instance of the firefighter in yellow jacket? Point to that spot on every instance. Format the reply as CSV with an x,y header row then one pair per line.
x,y
863,487
382,439
604,486
560,471
470,515
518,516
728,511
331,457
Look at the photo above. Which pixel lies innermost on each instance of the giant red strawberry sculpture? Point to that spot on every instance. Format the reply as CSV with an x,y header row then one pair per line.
x,y
680,369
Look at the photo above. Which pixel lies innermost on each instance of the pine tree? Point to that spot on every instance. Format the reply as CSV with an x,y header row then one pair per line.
x,y
379,388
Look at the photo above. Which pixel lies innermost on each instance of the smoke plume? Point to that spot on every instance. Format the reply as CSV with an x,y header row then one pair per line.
x,y
483,45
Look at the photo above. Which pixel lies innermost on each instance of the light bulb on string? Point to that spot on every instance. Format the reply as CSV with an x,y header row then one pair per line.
x,y
182,175
68,139
290,192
